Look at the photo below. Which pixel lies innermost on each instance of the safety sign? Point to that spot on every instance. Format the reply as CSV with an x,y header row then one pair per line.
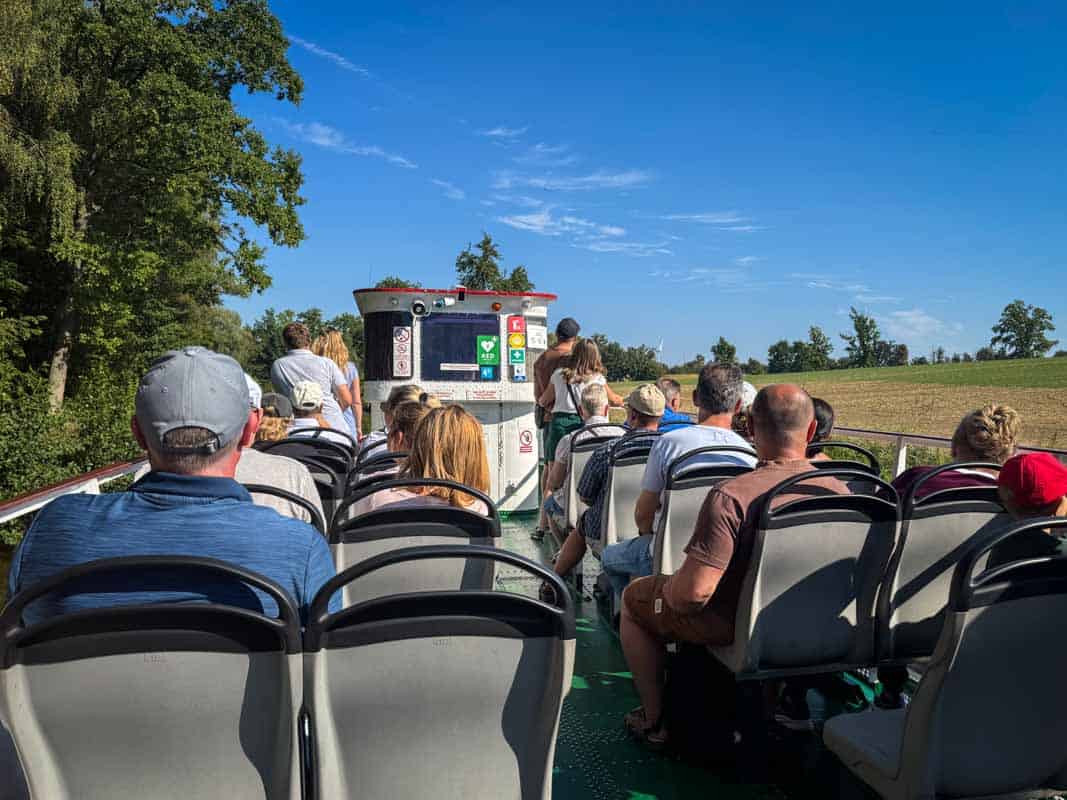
x,y
516,356
488,373
526,440
401,351
488,350
518,373
516,324
516,340
538,337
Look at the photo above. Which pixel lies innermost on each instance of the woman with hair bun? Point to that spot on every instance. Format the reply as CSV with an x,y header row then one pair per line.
x,y
986,434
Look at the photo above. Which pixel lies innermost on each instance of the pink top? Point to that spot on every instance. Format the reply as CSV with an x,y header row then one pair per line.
x,y
406,498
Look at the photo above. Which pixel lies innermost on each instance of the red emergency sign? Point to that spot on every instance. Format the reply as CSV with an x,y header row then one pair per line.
x,y
516,324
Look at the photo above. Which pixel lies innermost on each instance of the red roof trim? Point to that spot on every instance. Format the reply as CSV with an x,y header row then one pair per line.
x,y
477,292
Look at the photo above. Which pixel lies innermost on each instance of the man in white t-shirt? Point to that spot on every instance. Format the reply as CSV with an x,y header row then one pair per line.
x,y
718,396
300,364
593,408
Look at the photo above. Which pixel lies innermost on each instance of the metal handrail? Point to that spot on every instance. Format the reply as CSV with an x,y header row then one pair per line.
x,y
89,483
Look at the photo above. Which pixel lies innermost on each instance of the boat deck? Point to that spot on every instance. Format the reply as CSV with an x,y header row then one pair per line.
x,y
595,758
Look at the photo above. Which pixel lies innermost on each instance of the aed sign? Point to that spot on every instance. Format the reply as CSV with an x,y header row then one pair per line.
x,y
488,351
517,341
516,324
517,356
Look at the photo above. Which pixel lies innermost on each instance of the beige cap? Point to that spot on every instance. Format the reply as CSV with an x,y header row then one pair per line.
x,y
307,396
647,399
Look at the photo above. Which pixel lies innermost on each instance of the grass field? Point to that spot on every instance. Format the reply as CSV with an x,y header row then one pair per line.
x,y
931,399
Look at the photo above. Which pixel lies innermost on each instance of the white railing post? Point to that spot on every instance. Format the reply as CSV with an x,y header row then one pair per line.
x,y
902,456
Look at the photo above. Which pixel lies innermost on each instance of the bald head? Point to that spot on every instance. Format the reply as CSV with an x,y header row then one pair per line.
x,y
783,418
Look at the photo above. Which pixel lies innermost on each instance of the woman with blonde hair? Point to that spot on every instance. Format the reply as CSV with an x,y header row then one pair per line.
x,y
277,417
562,396
986,434
448,444
331,345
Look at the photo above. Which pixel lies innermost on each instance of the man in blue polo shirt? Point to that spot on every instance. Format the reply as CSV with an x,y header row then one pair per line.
x,y
193,418
672,418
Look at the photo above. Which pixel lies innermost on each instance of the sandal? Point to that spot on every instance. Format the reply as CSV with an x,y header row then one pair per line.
x,y
651,734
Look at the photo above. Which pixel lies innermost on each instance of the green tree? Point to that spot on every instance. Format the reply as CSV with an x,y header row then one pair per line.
x,y
819,349
754,367
482,271
862,344
724,352
779,357
1021,331
394,282
123,160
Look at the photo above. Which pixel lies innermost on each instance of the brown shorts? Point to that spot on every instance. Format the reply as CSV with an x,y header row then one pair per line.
x,y
644,596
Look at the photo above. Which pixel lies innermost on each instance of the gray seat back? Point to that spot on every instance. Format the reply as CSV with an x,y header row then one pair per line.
x,y
167,700
807,601
449,695
683,496
937,530
629,455
395,527
594,436
313,517
990,714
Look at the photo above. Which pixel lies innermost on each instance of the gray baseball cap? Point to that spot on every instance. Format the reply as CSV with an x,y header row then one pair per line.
x,y
193,388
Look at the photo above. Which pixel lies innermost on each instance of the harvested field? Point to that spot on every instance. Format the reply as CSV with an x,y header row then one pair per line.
x,y
931,400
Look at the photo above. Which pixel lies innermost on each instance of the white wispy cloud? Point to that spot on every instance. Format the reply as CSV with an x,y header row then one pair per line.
x,y
637,249
861,292
452,192
546,155
329,55
917,326
744,260
502,132
727,280
708,218
330,138
744,228
600,179
544,223
522,200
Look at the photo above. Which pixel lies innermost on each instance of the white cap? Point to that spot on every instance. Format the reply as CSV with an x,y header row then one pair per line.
x,y
307,396
748,395
255,394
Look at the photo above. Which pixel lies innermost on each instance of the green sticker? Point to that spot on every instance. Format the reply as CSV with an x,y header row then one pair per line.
x,y
517,356
488,351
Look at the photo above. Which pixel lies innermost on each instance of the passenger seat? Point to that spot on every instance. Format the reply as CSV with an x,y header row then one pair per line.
x,y
446,694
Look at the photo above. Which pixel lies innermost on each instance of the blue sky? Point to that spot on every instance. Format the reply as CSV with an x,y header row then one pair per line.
x,y
677,172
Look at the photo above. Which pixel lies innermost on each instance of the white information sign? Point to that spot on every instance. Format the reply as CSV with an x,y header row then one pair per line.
x,y
537,337
401,351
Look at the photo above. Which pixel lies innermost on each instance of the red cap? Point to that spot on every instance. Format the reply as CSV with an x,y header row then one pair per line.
x,y
1034,479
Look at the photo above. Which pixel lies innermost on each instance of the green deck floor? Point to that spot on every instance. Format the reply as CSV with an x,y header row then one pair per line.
x,y
594,757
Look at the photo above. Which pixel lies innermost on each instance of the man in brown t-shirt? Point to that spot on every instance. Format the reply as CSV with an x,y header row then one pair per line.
x,y
698,603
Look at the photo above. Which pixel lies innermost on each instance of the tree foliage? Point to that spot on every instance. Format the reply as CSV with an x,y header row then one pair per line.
x,y
266,331
483,271
127,174
862,344
724,352
1021,331
637,363
394,282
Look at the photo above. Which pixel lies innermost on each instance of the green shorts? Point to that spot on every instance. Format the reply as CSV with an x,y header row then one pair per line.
x,y
560,426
